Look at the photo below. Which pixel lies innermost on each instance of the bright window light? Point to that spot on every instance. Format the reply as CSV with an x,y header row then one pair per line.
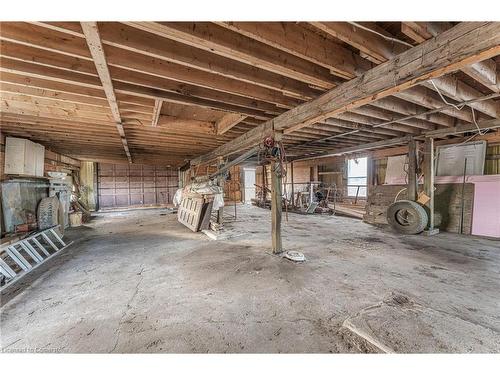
x,y
356,177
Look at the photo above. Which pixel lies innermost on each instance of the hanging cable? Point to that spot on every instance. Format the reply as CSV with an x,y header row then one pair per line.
x,y
458,108
382,35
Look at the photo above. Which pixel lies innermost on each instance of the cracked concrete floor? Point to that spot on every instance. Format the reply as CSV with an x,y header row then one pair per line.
x,y
138,281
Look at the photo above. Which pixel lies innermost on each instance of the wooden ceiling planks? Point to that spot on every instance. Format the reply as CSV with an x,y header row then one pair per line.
x,y
252,72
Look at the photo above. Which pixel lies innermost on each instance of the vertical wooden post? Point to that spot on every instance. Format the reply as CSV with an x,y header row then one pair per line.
x,y
429,173
369,175
293,190
220,212
412,170
264,184
276,202
276,209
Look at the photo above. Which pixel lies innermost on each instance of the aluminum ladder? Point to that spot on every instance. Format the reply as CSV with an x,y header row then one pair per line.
x,y
21,257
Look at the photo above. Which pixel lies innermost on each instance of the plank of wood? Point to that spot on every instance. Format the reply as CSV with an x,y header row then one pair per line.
x,y
215,39
484,72
94,43
227,122
156,112
382,49
460,46
290,37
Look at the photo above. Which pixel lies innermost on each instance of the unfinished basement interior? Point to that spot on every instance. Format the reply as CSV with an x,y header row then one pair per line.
x,y
250,187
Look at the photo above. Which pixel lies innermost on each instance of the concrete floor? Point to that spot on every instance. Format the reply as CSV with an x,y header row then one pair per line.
x,y
138,281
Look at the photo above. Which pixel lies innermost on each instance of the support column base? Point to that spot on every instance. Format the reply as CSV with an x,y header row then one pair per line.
x,y
430,232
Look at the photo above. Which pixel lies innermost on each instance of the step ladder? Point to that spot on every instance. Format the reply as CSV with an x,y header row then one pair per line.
x,y
21,257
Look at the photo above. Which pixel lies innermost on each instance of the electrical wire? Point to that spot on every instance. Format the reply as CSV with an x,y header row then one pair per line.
x,y
382,35
458,108
392,39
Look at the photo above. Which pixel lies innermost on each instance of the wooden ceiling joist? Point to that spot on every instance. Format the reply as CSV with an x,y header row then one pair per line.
x,y
96,49
124,59
213,38
460,46
239,77
156,112
484,72
382,49
290,38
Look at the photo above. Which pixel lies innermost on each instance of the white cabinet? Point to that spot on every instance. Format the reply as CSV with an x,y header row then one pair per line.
x,y
23,157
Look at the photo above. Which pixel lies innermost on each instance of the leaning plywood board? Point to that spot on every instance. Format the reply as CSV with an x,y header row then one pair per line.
x,y
395,168
451,159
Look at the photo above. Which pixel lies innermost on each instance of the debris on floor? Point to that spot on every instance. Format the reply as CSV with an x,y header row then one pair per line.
x,y
419,328
295,256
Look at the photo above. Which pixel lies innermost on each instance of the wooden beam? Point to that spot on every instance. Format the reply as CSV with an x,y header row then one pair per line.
x,y
460,46
228,121
156,112
366,42
429,172
289,37
276,203
220,182
215,39
174,124
295,39
132,39
381,49
412,170
468,128
482,125
485,72
93,39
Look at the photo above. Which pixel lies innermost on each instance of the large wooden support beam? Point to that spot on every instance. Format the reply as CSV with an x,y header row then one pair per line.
x,y
484,72
94,43
289,37
412,170
276,203
276,209
378,46
464,44
221,181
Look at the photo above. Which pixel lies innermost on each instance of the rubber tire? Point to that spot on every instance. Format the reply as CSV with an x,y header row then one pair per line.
x,y
417,211
48,212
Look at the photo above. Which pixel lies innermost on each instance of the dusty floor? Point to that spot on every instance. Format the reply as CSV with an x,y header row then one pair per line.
x,y
139,281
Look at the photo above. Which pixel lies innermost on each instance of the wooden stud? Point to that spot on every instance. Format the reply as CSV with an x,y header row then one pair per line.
x,y
412,170
429,172
156,112
276,203
220,212
276,210
293,189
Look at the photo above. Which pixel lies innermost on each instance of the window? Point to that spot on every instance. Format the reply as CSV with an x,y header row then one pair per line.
x,y
356,177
